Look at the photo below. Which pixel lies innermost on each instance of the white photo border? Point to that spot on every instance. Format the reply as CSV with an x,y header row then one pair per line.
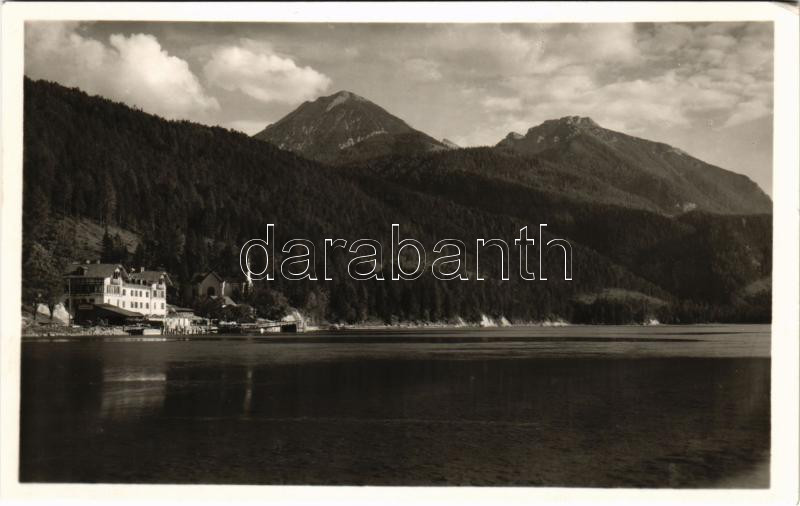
x,y
786,190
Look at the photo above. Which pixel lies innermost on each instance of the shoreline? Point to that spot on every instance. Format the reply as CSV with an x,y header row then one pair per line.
x,y
311,332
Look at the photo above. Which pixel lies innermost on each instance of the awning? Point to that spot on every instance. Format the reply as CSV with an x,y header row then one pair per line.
x,y
111,314
119,311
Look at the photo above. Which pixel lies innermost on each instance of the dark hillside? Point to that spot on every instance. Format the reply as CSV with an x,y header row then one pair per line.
x,y
192,195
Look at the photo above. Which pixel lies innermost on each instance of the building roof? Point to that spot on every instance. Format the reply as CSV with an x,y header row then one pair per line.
x,y
98,270
151,276
224,299
200,276
94,270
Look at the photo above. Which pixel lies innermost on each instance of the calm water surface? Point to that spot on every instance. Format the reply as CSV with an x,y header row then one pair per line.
x,y
666,406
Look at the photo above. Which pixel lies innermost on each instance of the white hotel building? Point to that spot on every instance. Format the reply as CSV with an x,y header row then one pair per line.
x,y
94,284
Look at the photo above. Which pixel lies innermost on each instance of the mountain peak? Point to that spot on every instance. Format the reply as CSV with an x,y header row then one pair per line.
x,y
569,122
552,131
583,121
345,126
341,97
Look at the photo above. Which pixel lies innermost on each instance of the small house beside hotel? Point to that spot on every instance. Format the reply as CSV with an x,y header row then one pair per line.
x,y
211,284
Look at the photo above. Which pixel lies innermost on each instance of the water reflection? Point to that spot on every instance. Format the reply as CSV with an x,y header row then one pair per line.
x,y
132,392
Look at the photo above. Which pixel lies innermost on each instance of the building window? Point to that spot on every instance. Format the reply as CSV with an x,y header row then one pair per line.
x,y
123,291
162,305
84,287
147,305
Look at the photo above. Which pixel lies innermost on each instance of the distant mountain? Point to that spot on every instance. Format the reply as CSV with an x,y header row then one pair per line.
x,y
666,177
345,127
575,155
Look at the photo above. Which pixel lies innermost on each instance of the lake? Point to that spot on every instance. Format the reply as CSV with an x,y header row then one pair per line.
x,y
578,406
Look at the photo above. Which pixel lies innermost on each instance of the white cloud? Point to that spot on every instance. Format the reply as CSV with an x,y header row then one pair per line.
x,y
422,69
679,76
748,111
255,70
495,50
602,42
502,103
134,70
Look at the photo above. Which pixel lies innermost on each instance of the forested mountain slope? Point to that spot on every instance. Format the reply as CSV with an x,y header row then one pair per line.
x,y
194,194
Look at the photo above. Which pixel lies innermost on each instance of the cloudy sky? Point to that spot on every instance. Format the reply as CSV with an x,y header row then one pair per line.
x,y
705,88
